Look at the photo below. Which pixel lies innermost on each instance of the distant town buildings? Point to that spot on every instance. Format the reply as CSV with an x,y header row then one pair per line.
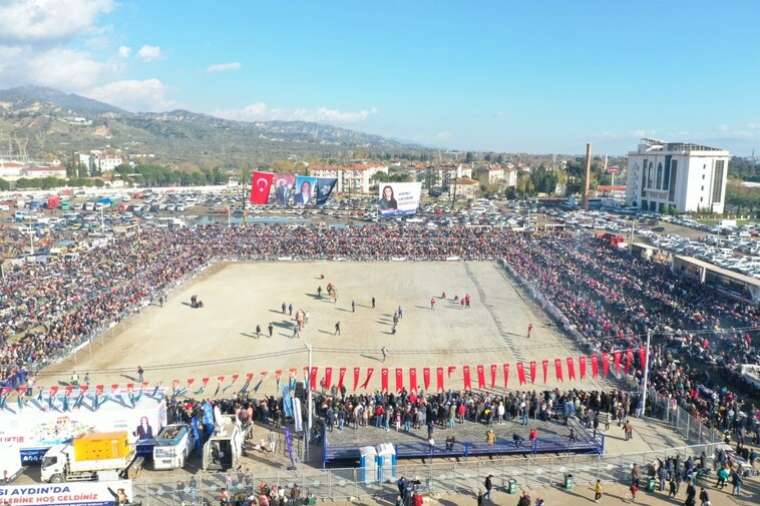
x,y
13,170
98,161
352,178
676,175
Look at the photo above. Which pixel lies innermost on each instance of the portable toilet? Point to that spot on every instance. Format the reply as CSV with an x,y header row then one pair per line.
x,y
386,463
367,464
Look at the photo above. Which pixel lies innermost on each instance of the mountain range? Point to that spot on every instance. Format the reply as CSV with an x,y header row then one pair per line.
x,y
47,123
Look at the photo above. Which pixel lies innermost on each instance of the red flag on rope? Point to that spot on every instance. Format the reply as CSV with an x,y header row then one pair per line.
x,y
190,381
205,380
616,357
399,379
439,379
115,387
582,366
642,357
594,365
313,378
452,368
532,368
341,377
384,379
370,370
494,371
130,387
505,368
69,388
426,377
570,369
412,379
521,373
357,372
261,183
220,379
235,377
327,380
143,385
53,390
545,369
466,377
98,390
558,369
277,375
605,364
481,376
628,360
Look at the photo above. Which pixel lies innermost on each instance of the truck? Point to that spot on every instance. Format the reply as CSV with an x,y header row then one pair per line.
x,y
10,463
223,449
93,456
172,447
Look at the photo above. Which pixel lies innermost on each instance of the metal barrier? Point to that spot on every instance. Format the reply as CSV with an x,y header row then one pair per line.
x,y
435,477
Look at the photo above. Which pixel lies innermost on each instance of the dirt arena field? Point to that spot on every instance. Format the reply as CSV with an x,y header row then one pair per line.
x,y
179,342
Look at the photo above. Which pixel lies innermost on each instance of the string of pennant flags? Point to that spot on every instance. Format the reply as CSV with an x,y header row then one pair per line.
x,y
482,376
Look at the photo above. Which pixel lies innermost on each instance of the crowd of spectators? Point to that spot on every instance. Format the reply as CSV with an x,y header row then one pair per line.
x,y
609,297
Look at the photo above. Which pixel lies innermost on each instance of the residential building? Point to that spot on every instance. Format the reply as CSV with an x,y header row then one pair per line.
x,y
99,161
688,177
352,178
13,170
465,188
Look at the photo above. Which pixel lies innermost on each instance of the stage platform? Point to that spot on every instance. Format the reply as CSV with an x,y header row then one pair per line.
x,y
553,437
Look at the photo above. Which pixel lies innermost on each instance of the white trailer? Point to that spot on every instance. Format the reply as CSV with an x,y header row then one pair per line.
x,y
60,464
173,445
223,449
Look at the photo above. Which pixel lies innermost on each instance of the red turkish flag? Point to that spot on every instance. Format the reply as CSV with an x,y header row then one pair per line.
x,y
370,370
341,376
205,380
494,371
521,373
452,368
532,367
114,388
313,378
248,378
481,376
412,379
545,369
235,377
98,390
426,378
642,357
384,379
505,368
357,372
220,379
466,377
327,380
190,381
617,356
628,360
558,369
277,375
130,387
261,183
399,379
53,390
605,364
594,365
570,368
582,366
439,379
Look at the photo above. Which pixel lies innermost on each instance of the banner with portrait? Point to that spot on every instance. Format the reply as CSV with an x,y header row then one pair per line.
x,y
398,199
283,188
325,187
305,191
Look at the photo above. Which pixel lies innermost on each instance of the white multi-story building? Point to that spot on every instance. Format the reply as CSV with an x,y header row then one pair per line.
x,y
689,177
354,178
98,161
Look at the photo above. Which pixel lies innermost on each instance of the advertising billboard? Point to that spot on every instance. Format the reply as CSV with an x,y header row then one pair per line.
x,y
398,199
91,493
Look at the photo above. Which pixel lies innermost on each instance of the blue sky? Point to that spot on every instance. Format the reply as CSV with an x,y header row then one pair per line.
x,y
537,77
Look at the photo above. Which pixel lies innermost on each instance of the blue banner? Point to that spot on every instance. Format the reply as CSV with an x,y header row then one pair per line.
x,y
325,187
305,192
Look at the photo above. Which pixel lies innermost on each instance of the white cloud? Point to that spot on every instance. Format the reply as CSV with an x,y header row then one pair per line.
x,y
443,136
262,112
224,67
45,20
134,95
57,67
149,53
125,51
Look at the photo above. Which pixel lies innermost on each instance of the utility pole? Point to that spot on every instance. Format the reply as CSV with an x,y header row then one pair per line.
x,y
308,405
587,179
646,375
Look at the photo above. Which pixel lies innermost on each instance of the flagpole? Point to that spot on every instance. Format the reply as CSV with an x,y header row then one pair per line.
x,y
646,375
308,402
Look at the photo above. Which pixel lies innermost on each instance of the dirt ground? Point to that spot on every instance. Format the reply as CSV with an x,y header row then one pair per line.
x,y
177,342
